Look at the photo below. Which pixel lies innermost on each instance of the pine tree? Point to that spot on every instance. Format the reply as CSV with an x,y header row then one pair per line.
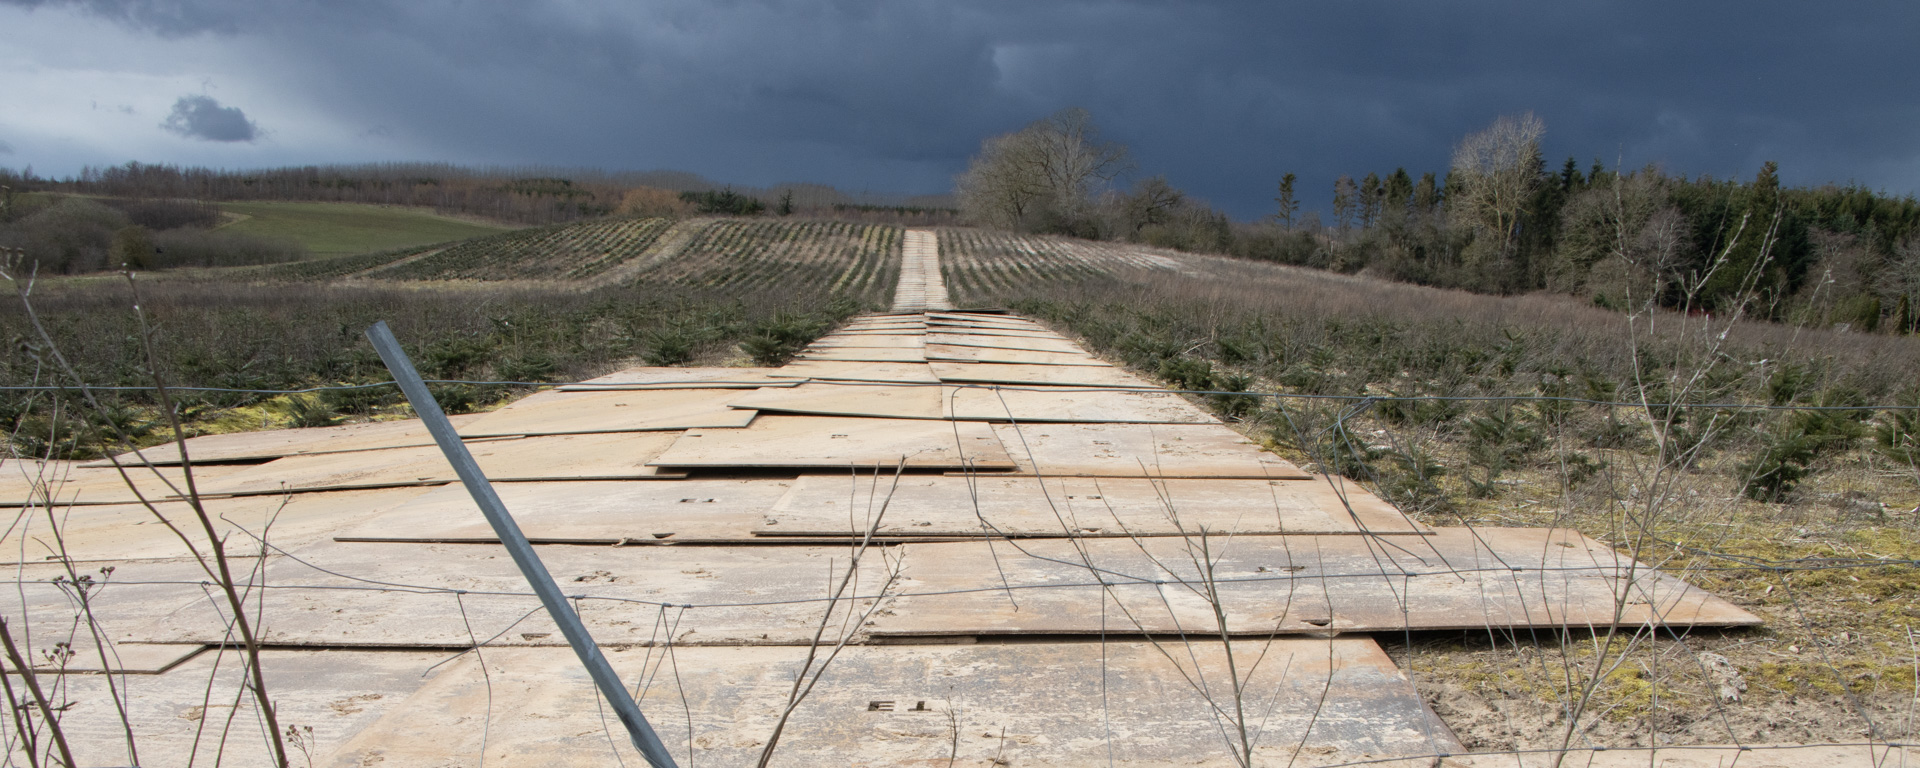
x,y
1906,321
1288,204
1426,197
1570,178
1870,315
1369,199
1398,191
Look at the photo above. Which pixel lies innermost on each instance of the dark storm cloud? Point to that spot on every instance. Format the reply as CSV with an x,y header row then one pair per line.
x,y
201,117
1221,97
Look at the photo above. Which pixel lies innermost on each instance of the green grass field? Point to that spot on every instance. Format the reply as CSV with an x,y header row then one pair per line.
x,y
336,229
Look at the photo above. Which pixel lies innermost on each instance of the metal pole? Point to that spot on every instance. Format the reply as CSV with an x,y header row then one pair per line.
x,y
644,739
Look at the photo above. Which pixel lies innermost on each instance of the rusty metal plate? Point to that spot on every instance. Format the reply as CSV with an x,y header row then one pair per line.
x,y
580,413
275,443
1054,375
679,378
119,532
892,401
120,658
824,370
1028,405
863,355
825,441
23,483
335,693
950,354
1141,450
920,505
1324,701
1453,579
562,457
586,512
1029,343
746,595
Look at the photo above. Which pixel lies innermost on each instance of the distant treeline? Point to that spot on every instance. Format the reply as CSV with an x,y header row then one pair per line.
x,y
521,194
1819,256
68,234
1498,220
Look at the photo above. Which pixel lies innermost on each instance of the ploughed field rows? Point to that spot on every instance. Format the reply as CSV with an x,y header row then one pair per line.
x,y
850,259
343,266
978,263
855,260
568,252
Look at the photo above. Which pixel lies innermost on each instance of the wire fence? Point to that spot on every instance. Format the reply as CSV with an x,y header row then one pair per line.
x,y
1274,395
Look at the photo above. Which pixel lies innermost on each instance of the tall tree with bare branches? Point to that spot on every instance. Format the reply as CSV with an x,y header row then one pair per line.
x,y
1497,169
1042,177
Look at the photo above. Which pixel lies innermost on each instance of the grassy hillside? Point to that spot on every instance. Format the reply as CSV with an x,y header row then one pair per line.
x,y
331,229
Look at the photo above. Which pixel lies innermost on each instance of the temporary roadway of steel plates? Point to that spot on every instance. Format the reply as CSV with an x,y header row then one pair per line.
x,y
1063,564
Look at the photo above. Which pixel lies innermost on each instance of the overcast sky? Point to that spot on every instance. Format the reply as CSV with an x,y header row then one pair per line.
x,y
893,95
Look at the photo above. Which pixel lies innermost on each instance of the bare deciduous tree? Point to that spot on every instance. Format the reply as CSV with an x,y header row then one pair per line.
x,y
1627,230
1344,203
1043,176
1497,169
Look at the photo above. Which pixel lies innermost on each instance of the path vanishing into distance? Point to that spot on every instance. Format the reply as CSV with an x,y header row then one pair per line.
x,y
995,548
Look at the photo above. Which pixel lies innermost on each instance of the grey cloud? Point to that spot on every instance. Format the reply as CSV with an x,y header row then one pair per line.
x,y
1222,97
5,148
201,117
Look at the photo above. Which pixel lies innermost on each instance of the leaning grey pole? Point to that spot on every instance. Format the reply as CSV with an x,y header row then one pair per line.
x,y
609,684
